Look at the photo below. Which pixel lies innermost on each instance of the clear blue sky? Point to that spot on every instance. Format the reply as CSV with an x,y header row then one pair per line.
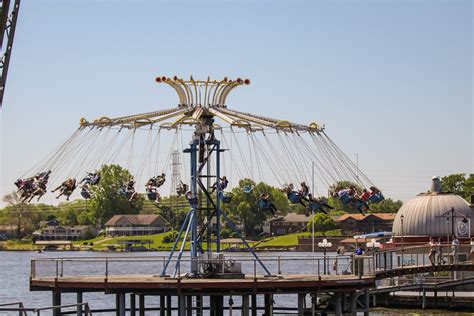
x,y
392,80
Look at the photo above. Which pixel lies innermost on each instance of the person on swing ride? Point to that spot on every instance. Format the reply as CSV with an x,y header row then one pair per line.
x,y
129,190
304,191
365,195
265,204
295,197
318,204
66,188
222,183
91,178
43,176
160,180
39,187
182,188
25,186
152,191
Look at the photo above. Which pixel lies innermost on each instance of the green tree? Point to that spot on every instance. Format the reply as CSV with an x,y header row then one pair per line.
x,y
459,183
108,201
19,214
244,209
322,223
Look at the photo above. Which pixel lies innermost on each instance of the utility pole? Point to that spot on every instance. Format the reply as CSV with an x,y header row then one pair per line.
x,y
9,20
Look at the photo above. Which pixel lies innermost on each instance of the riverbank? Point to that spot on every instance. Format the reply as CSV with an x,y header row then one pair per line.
x,y
165,242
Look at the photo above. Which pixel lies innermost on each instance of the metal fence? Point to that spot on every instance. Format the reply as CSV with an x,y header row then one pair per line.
x,y
153,265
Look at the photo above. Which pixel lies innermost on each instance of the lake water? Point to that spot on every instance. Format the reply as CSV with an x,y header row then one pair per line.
x,y
15,272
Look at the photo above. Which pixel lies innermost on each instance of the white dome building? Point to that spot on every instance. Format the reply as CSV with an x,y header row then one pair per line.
x,y
436,214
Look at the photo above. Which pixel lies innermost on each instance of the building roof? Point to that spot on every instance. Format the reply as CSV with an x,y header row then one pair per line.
x,y
76,227
293,218
425,215
8,228
141,219
360,217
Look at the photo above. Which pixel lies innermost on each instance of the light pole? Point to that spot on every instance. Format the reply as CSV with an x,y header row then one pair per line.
x,y
374,245
402,217
324,245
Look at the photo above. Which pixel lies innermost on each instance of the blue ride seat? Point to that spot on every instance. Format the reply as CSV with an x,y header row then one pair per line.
x,y
345,199
315,206
225,197
247,189
151,195
294,197
193,201
85,193
361,205
263,204
376,198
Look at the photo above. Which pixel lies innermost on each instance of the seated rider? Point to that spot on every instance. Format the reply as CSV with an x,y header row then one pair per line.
x,y
152,190
294,196
374,191
318,204
86,192
265,203
160,180
130,190
365,195
222,183
43,175
304,191
66,188
39,188
182,188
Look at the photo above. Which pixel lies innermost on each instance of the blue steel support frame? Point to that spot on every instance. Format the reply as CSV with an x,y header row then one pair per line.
x,y
192,218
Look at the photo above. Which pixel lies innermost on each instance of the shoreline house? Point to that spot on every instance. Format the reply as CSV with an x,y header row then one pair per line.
x,y
351,224
283,225
63,232
8,232
136,225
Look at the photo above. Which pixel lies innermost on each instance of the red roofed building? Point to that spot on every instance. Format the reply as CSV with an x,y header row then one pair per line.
x,y
359,224
135,225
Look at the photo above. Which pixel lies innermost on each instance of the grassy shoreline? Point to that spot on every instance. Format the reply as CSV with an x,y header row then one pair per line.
x,y
161,242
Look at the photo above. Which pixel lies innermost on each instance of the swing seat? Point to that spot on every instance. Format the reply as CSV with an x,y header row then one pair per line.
x,y
122,191
193,201
248,189
225,197
294,198
361,205
345,199
151,196
376,198
85,194
263,204
314,206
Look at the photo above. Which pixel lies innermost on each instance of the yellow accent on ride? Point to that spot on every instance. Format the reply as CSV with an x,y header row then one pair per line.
x,y
314,127
83,121
284,125
241,123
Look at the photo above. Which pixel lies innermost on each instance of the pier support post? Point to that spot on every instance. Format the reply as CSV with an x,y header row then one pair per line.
x,y
181,305
198,305
254,304
79,301
133,307
168,305
344,302
338,304
366,302
301,303
162,305
120,306
435,299
189,305
353,310
56,301
423,300
217,305
141,304
245,305
268,304
374,300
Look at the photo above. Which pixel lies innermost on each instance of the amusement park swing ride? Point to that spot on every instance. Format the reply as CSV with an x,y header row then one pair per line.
x,y
288,150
